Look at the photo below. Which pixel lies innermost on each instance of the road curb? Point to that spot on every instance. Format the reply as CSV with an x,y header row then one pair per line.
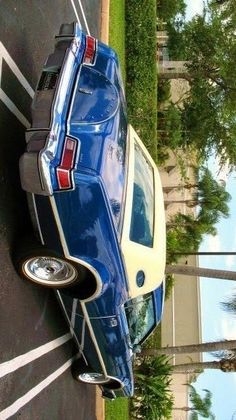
x,y
105,9
100,405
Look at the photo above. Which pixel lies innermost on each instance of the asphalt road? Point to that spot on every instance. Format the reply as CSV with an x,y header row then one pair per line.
x,y
34,385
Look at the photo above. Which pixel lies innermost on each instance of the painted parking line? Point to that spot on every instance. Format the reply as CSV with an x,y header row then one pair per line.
x,y
13,108
18,404
4,55
84,18
75,11
22,360
82,13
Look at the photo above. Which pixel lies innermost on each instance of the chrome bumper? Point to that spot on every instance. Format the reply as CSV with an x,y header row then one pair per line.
x,y
50,100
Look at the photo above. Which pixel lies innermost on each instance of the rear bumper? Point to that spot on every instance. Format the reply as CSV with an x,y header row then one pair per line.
x,y
49,111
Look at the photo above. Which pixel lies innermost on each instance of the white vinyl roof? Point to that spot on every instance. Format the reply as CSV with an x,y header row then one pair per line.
x,y
138,257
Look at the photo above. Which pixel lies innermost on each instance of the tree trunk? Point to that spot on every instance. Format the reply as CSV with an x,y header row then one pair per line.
x,y
182,409
201,253
179,187
167,75
188,202
188,270
224,365
192,348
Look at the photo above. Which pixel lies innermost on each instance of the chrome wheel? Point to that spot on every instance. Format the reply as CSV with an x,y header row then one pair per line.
x,y
49,271
93,378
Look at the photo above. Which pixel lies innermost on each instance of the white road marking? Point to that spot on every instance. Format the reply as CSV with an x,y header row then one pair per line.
x,y
24,359
84,18
3,97
18,404
12,107
15,69
75,11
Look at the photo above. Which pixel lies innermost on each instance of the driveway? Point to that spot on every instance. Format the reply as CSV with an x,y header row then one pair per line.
x,y
35,346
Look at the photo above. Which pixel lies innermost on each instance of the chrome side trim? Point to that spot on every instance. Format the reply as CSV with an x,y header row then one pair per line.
x,y
86,317
37,220
73,313
80,346
70,257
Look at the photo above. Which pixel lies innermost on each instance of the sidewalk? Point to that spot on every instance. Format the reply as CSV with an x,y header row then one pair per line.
x,y
104,33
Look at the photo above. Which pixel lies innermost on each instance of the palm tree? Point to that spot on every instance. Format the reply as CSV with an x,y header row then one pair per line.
x,y
230,305
200,406
225,365
200,272
211,200
192,348
210,195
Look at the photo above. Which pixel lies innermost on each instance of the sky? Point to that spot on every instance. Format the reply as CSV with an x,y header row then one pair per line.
x,y
216,323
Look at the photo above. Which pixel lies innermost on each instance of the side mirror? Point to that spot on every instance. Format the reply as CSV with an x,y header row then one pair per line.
x,y
137,349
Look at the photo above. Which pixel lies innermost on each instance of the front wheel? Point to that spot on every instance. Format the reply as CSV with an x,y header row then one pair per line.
x,y
93,378
84,373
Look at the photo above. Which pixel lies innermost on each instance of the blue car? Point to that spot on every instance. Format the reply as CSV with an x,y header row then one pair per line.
x,y
96,202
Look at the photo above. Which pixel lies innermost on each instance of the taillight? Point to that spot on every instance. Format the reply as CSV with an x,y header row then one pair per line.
x,y
63,171
90,50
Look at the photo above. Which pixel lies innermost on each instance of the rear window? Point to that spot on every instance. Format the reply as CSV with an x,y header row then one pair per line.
x,y
142,219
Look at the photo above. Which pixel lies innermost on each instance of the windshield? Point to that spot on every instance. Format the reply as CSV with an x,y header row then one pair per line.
x,y
141,229
140,315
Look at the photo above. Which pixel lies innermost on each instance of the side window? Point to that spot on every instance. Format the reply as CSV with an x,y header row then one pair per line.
x,y
142,223
140,314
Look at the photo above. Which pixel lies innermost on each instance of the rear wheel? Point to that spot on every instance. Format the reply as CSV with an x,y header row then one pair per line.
x,y
49,271
39,265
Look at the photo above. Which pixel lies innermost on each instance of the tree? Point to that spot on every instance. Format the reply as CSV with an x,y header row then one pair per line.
x,y
230,304
208,46
210,113
188,270
210,195
211,200
191,348
168,10
170,127
225,365
200,406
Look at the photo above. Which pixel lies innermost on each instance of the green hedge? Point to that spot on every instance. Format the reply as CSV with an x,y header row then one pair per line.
x,y
141,70
117,30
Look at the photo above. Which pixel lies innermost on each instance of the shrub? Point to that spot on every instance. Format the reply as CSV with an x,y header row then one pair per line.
x,y
153,398
141,70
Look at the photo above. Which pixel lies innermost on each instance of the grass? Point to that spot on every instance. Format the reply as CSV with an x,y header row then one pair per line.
x,y
117,31
117,410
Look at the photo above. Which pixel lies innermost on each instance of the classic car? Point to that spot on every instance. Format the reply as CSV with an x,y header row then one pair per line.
x,y
96,201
